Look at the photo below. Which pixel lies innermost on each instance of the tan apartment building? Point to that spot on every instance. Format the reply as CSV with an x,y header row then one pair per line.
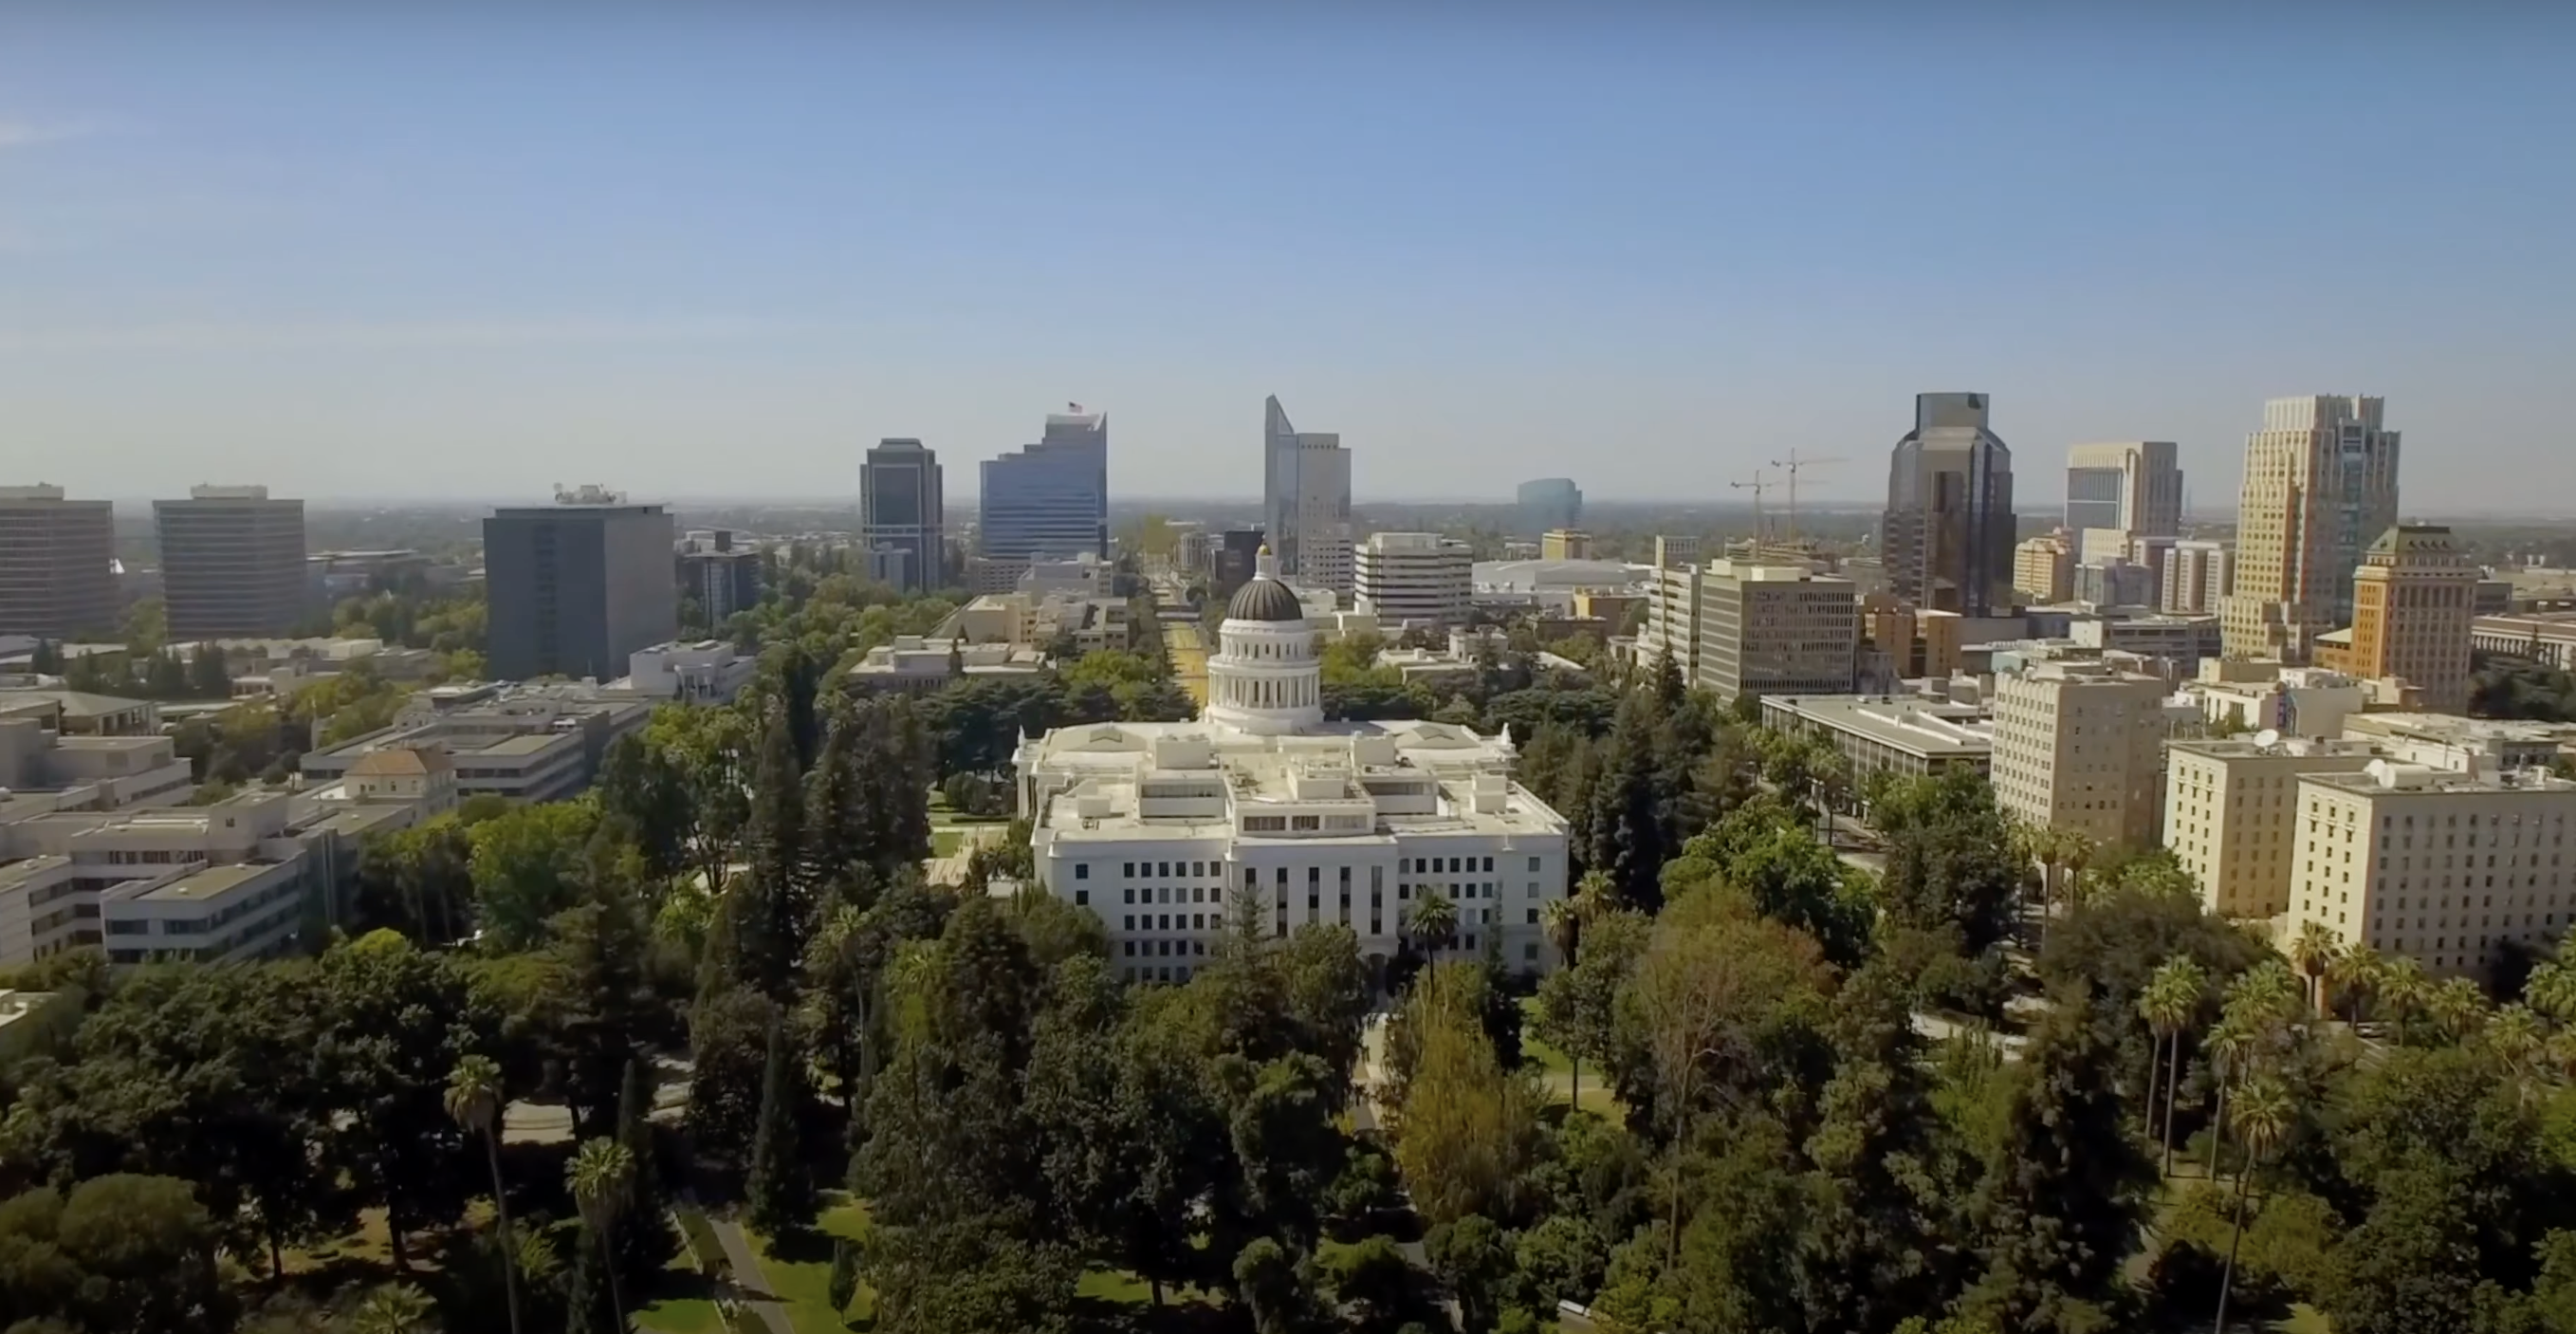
x,y
2444,866
2231,814
1564,544
2080,747
2414,604
2044,569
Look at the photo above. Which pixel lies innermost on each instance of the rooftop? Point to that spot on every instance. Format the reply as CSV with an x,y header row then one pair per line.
x,y
1933,729
2291,748
2388,776
212,882
401,762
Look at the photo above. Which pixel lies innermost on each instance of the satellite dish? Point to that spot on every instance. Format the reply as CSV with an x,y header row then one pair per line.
x,y
2268,737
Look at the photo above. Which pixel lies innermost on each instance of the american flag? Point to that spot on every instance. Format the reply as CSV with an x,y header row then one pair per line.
x,y
1074,408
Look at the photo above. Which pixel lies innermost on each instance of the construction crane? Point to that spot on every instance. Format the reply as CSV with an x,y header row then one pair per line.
x,y
1757,486
1793,464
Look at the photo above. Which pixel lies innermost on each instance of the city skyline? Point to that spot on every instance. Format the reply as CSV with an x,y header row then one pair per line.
x,y
667,288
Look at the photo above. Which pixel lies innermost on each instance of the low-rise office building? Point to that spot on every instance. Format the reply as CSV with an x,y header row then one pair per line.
x,y
2544,637
1901,736
525,743
707,671
2446,741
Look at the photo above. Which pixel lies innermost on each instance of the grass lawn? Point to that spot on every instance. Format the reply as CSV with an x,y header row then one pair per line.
x,y
805,1280
1560,1071
945,841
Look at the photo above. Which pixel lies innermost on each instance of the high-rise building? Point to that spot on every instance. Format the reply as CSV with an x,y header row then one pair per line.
x,y
900,502
2080,747
2412,611
1947,536
722,574
1050,499
1234,560
578,586
2320,485
2198,577
2232,814
1306,501
1776,630
2044,569
232,563
1408,577
57,565
1550,503
2135,487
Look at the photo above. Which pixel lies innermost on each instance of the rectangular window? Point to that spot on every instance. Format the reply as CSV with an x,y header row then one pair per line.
x,y
1131,948
1130,872
1082,898
1131,895
1489,864
1082,870
1128,922
1162,870
1533,917
1533,865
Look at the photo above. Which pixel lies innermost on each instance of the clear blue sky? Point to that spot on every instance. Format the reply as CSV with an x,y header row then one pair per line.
x,y
716,250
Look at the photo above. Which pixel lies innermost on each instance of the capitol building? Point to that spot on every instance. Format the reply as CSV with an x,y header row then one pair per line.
x,y
1154,827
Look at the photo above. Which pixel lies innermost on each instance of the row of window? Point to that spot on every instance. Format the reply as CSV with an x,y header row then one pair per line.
x,y
1205,870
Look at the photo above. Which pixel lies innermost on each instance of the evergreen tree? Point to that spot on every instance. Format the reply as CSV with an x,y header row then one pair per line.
x,y
837,837
644,1239
47,660
781,1190
845,1275
207,678
587,1306
1629,808
768,910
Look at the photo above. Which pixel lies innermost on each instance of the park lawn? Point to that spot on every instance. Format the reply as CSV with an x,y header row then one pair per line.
x,y
805,1285
945,841
680,1315
1559,1070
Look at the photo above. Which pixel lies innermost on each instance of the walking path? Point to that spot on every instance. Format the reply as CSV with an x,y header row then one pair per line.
x,y
749,1279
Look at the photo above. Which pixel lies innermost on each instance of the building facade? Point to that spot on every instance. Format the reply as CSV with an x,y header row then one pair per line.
x,y
2232,814
2044,569
1775,630
721,574
1306,501
2544,637
1565,544
1047,500
1413,577
1901,736
2134,487
2320,485
1549,503
1263,814
2414,603
232,563
901,499
2199,576
576,587
1947,534
57,565
2447,867
2080,747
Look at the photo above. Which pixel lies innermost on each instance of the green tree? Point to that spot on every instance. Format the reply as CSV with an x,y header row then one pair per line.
x,y
2168,1005
1467,1130
598,1178
780,1188
1474,1259
396,1308
474,1100
527,866
844,1285
2262,1117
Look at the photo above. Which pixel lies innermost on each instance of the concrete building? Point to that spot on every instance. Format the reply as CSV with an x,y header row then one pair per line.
x,y
526,742
232,563
576,587
721,573
2320,485
2412,612
706,671
2232,814
2266,696
1898,735
2447,867
1406,578
2544,637
2198,578
2134,487
916,664
1564,544
417,774
2443,741
1776,630
57,565
1047,500
2180,642
1947,534
1233,561
2080,747
2115,583
902,499
2044,568
1165,830
1549,503
1306,502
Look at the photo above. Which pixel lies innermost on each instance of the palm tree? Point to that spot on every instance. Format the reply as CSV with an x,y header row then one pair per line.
x,y
2314,948
1592,894
474,1100
2355,971
2230,1046
599,1176
1563,919
395,1308
2551,990
2075,851
2168,1004
2038,843
1833,786
2262,1120
1433,923
2515,1036
2403,985
2458,1008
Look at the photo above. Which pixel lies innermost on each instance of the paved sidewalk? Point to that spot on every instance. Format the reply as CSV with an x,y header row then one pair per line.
x,y
749,1279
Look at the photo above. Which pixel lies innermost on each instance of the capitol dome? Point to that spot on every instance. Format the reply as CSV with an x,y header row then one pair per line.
x,y
1265,599
1265,678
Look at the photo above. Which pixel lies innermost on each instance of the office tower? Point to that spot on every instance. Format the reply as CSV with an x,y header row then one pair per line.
x,y
900,502
57,565
2232,814
2134,487
2156,555
1564,544
2412,607
1550,503
1050,499
1776,630
1947,536
723,575
1306,501
2198,577
2365,865
2080,747
1234,560
2044,569
2320,485
232,563
1408,577
2115,583
577,586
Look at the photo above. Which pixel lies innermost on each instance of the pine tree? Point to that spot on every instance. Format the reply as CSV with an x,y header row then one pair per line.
x,y
644,1241
845,1275
207,678
770,913
781,1190
836,832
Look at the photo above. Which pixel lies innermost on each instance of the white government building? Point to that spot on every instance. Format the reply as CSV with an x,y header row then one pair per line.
x,y
1152,825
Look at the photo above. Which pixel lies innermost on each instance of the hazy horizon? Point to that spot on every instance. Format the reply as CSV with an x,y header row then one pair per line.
x,y
465,254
